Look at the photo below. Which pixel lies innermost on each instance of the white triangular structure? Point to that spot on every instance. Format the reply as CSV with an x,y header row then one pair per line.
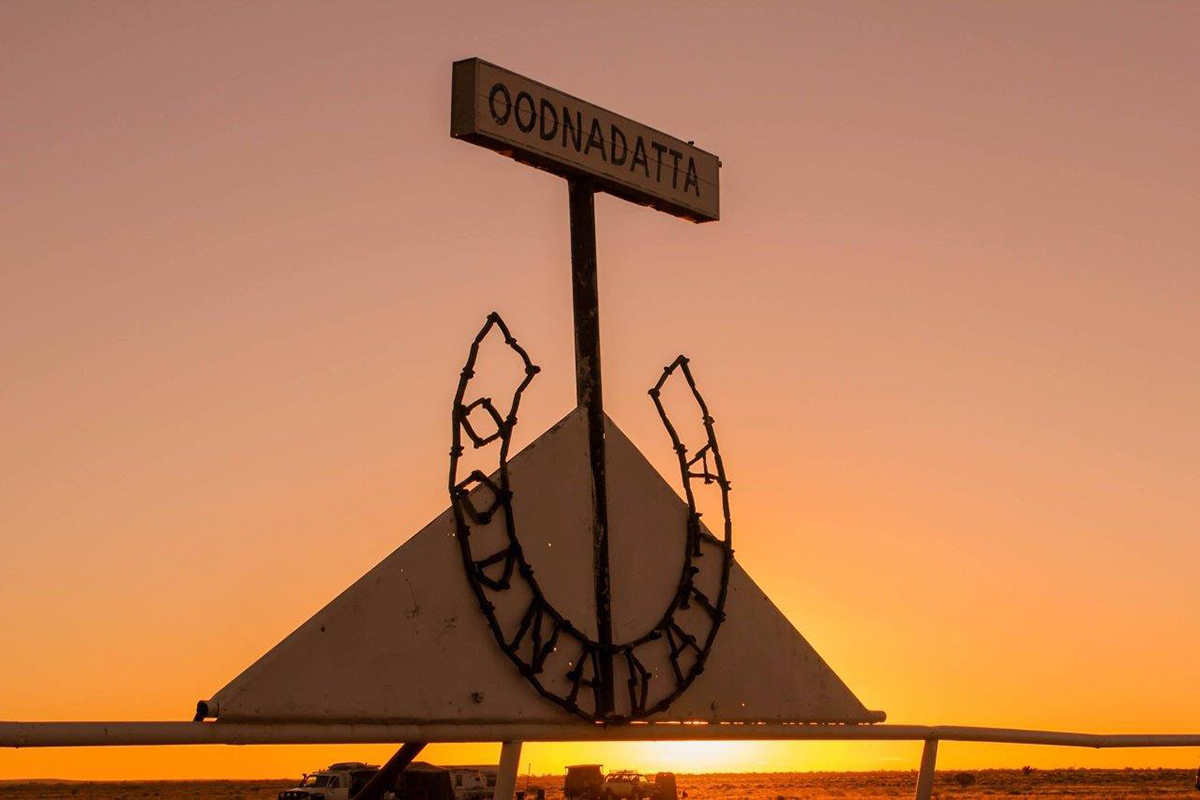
x,y
407,643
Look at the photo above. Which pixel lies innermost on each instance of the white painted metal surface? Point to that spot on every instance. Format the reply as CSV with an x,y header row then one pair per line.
x,y
928,768
506,776
407,643
91,734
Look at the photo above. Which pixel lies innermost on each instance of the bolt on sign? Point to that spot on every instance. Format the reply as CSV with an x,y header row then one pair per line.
x,y
552,130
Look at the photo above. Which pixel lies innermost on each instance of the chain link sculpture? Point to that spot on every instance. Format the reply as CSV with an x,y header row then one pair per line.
x,y
479,500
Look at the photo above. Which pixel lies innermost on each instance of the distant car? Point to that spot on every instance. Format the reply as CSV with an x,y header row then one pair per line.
x,y
339,782
627,785
665,788
584,782
343,781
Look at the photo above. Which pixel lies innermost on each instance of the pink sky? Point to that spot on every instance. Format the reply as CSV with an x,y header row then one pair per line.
x,y
948,324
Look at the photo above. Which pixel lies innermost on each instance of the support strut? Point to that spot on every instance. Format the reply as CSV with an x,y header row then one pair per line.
x,y
589,394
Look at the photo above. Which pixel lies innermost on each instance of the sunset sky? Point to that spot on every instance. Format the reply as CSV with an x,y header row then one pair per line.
x,y
949,324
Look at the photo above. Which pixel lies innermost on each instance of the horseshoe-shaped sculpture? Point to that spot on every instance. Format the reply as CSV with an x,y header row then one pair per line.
x,y
479,500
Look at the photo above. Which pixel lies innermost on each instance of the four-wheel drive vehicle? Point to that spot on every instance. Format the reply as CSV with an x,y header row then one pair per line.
x,y
420,781
584,782
339,782
627,784
587,782
665,788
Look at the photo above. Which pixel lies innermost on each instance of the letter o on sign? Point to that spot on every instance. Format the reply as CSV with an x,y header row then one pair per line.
x,y
498,90
524,97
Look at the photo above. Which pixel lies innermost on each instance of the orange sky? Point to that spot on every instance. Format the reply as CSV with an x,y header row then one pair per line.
x,y
948,324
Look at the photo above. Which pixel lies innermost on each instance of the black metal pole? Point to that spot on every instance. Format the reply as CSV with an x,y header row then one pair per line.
x,y
589,394
384,780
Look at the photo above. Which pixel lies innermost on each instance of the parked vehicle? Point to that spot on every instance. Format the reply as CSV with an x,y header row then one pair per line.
x,y
627,785
588,782
339,781
419,781
665,788
473,782
584,782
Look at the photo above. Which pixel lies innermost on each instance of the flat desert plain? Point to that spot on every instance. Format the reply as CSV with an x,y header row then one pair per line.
x,y
1083,783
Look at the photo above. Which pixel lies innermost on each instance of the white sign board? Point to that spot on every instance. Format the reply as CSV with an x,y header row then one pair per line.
x,y
407,644
538,125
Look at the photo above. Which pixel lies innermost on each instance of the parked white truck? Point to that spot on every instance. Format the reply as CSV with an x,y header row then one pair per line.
x,y
346,779
339,781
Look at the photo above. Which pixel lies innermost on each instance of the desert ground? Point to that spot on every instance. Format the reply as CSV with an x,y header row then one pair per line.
x,y
1110,784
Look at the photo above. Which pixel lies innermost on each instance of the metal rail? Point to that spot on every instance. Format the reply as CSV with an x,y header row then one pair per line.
x,y
91,734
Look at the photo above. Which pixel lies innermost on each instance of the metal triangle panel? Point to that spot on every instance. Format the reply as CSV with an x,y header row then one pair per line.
x,y
407,642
